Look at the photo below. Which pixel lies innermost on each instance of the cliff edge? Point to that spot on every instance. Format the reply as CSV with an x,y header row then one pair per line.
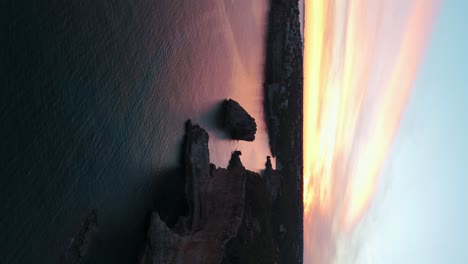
x,y
222,204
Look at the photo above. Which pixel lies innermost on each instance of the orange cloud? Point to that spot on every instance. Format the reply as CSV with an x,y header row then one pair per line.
x,y
359,65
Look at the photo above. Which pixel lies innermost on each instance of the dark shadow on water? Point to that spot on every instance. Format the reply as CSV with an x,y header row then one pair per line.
x,y
169,200
165,195
213,120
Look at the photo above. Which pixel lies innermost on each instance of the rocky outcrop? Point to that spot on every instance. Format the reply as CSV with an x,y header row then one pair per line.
x,y
161,243
215,197
235,161
283,87
197,170
80,243
254,242
283,105
238,122
273,180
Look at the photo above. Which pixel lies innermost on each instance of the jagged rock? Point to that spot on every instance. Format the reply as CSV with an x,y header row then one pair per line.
x,y
273,179
161,243
254,241
215,197
238,122
283,106
80,243
268,165
197,169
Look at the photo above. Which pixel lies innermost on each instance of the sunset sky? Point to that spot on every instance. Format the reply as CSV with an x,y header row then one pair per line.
x,y
384,131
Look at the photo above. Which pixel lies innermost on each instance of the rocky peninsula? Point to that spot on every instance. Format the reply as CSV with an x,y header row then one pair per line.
x,y
236,215
283,97
229,212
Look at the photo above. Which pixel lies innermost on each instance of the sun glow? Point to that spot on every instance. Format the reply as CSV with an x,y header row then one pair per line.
x,y
360,60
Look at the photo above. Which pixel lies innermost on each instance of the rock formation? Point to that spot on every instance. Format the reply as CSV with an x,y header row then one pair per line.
x,y
216,201
235,215
254,242
273,180
80,243
283,105
238,122
228,218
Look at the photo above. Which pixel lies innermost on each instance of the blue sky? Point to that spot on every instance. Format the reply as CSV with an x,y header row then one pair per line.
x,y
420,214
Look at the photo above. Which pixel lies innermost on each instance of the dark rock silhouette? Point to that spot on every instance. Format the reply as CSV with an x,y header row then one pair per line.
x,y
283,107
273,180
235,161
238,122
161,243
80,243
215,200
235,215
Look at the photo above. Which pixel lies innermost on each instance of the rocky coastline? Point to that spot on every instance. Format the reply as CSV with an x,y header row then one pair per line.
x,y
80,243
229,213
283,104
239,124
235,215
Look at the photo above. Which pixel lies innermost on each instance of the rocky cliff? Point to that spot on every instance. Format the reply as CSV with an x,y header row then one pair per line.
x,y
238,122
234,215
283,95
223,203
82,240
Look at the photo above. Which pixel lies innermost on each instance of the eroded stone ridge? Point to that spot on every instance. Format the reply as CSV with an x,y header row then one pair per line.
x,y
215,197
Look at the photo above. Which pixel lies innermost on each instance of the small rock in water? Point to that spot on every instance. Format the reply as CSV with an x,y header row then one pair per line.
x,y
238,122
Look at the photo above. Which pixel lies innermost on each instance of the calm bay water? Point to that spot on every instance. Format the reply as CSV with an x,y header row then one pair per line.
x,y
93,103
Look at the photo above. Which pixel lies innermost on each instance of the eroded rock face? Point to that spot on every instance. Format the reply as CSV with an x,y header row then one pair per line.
x,y
80,243
161,243
197,170
238,122
216,198
254,243
273,180
235,161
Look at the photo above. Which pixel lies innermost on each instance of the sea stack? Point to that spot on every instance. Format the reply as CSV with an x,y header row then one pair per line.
x,y
239,124
215,198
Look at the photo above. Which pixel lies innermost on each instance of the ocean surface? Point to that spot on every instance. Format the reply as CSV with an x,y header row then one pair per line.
x,y
94,97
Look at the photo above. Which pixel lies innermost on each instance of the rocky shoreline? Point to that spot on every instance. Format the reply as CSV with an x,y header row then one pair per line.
x,y
229,213
233,215
80,243
239,124
283,97
236,215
